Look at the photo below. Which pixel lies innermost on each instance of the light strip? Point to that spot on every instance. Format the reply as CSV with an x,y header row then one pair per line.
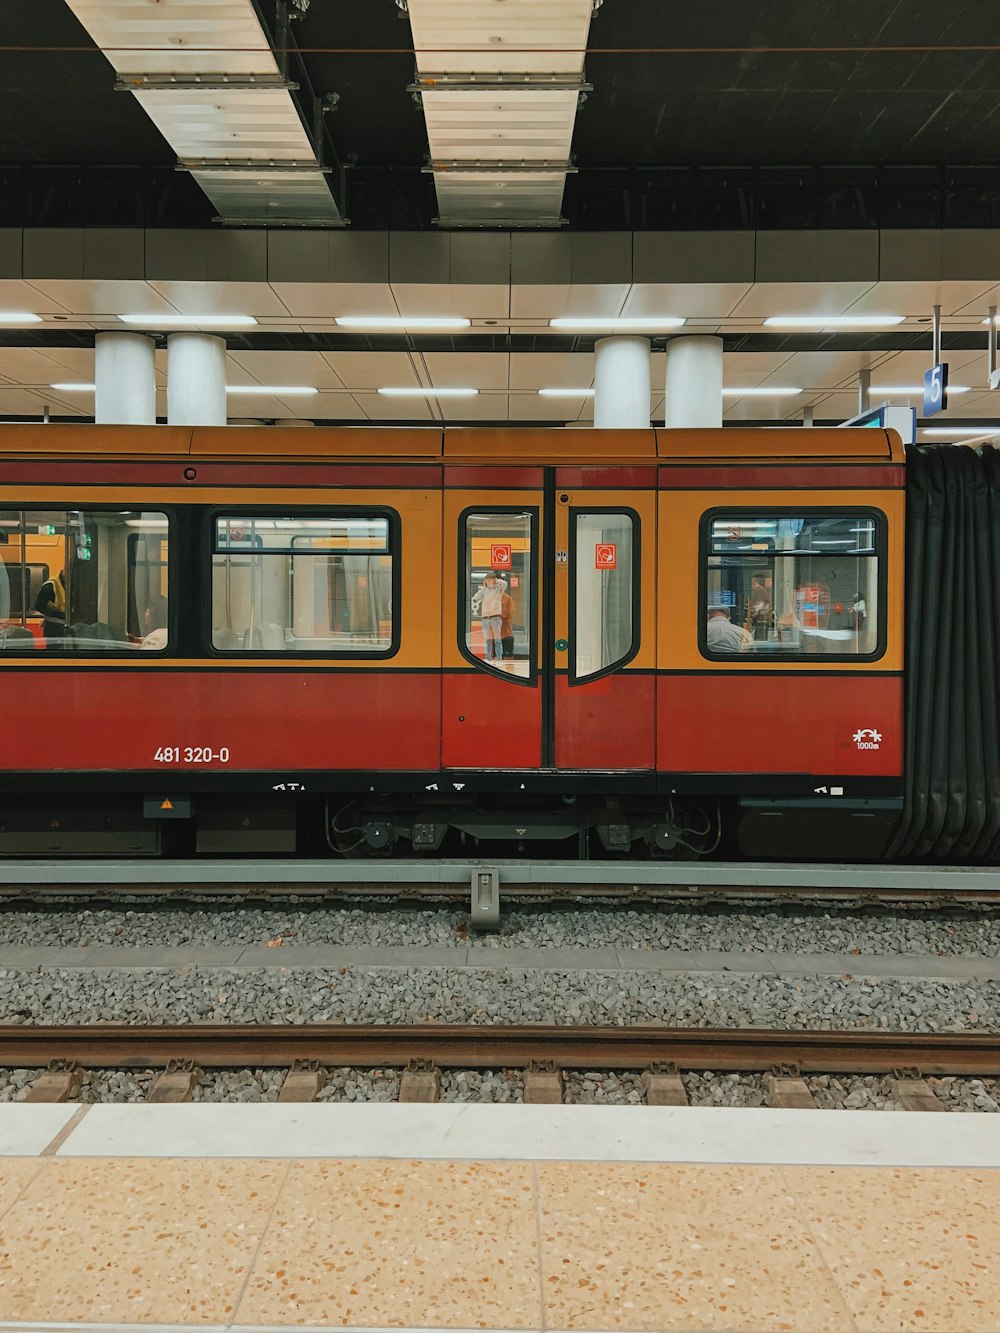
x,y
428,393
913,388
189,321
566,393
760,391
74,388
402,322
959,430
652,323
19,317
833,321
273,390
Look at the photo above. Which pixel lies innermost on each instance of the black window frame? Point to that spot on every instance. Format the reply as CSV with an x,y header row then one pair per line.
x,y
131,653
394,551
464,594
622,662
749,661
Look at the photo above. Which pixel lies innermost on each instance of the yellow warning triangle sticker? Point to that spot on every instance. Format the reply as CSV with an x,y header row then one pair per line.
x,y
166,805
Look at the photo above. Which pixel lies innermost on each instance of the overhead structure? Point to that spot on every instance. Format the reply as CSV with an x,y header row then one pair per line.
x,y
500,82
205,74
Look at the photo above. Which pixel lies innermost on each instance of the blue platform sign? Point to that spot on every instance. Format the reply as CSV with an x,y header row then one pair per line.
x,y
935,389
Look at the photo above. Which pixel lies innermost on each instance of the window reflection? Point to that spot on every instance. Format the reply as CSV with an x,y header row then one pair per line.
x,y
792,585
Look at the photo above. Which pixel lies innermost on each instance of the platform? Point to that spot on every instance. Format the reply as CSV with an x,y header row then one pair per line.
x,y
460,1216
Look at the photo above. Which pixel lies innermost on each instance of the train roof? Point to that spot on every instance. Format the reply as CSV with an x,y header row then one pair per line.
x,y
507,444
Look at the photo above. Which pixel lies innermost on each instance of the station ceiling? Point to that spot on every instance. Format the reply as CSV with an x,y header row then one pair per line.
x,y
764,116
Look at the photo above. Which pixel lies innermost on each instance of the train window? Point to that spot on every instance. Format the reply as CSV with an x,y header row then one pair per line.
x,y
307,583
496,596
75,580
603,617
792,584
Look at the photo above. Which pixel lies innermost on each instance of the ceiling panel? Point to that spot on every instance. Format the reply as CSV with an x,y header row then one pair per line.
x,y
305,368
28,402
827,370
473,370
551,370
800,298
373,370
544,301
472,301
325,300
530,407
485,407
222,298
335,407
377,408
918,299
690,300
89,296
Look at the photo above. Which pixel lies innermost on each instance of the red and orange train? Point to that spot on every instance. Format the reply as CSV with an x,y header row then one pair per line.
x,y
238,639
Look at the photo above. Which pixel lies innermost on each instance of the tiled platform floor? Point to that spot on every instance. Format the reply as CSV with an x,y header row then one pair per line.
x,y
116,1222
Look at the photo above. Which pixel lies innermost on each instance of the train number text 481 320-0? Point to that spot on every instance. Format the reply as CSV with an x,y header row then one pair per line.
x,y
191,754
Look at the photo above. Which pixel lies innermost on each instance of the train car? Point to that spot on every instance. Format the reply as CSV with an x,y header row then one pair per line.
x,y
234,640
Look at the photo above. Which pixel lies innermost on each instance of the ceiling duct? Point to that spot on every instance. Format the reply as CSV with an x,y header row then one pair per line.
x,y
500,82
205,74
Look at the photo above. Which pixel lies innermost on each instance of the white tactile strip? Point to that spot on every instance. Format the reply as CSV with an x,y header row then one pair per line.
x,y
463,1131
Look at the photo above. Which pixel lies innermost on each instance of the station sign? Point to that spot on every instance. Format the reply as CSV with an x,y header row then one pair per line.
x,y
935,389
501,556
903,420
606,555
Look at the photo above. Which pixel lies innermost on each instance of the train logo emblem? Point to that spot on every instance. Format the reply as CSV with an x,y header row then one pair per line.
x,y
867,738
501,556
605,555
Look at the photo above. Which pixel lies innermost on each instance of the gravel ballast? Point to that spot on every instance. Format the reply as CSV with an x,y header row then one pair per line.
x,y
788,929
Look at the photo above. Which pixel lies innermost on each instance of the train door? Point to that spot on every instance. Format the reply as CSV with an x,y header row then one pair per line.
x,y
549,660
604,695
492,685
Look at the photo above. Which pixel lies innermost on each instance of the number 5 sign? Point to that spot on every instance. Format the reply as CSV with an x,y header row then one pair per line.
x,y
935,390
605,555
501,556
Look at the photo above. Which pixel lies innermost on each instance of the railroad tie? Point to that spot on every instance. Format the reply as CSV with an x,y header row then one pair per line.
x,y
304,1082
913,1092
786,1089
61,1081
421,1082
177,1082
664,1085
543,1083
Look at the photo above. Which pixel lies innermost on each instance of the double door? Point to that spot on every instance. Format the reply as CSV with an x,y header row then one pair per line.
x,y
549,665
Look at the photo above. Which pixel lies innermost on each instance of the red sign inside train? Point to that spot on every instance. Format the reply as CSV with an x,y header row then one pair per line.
x,y
501,556
606,555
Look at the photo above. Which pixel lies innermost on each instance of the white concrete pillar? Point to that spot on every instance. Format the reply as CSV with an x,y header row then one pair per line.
x,y
124,379
621,383
694,382
196,380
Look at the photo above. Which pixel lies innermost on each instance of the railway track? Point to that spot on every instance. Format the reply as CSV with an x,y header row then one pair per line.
x,y
472,1046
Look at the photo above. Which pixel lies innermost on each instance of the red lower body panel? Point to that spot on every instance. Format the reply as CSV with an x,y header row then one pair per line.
x,y
607,723
848,725
490,722
93,719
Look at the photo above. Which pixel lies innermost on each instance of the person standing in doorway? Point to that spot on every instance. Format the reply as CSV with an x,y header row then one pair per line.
x,y
507,625
487,603
51,606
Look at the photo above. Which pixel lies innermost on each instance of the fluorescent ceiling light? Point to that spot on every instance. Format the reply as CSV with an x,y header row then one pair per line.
x,y
274,390
19,317
566,393
959,430
913,388
996,319
760,391
74,388
833,321
188,321
651,322
402,322
429,393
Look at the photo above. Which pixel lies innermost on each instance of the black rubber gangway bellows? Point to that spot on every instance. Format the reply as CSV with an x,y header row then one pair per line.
x,y
951,809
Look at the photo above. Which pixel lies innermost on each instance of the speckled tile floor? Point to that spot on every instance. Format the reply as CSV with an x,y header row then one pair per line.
x,y
379,1243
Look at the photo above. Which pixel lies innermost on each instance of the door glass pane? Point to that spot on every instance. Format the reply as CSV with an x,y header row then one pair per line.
x,y
302,584
83,580
497,592
603,592
792,586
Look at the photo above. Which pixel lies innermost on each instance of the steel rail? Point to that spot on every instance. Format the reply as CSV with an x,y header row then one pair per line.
x,y
270,1046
